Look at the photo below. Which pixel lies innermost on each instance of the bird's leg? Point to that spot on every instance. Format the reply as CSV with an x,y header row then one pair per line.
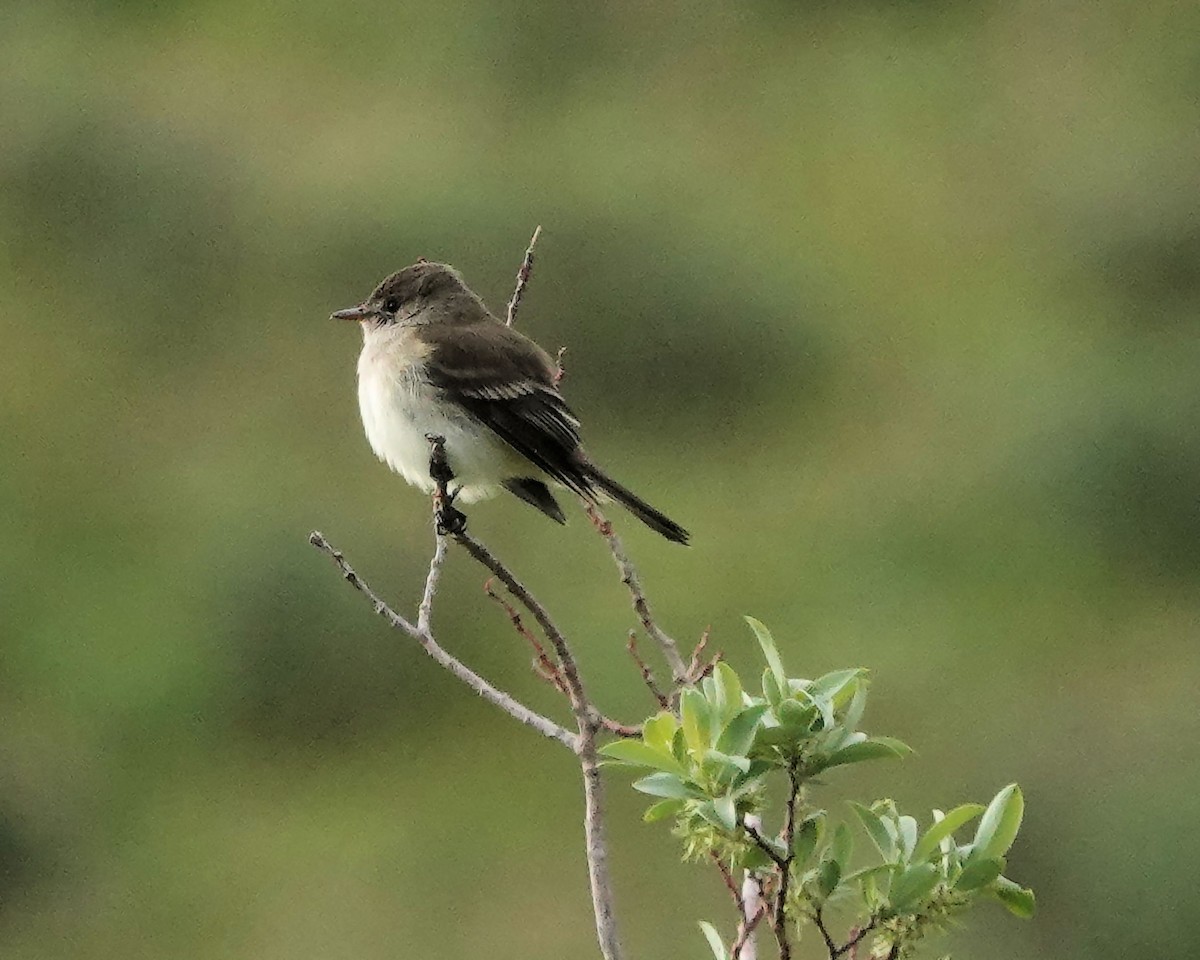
x,y
449,519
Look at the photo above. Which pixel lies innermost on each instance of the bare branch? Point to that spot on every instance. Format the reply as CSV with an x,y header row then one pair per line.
x,y
647,676
597,846
490,693
570,672
744,947
615,727
425,610
789,834
545,667
641,606
764,845
818,920
730,883
586,717
856,937
522,278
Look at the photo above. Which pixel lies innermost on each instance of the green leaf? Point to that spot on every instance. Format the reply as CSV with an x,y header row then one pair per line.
x,y
858,704
679,748
902,749
710,812
693,708
771,689
908,835
863,872
738,735
770,652
726,812
796,716
1000,822
828,875
979,872
715,943
830,685
876,831
838,737
877,748
807,836
1019,900
943,828
634,751
842,845
913,886
662,810
725,760
659,731
666,785
729,688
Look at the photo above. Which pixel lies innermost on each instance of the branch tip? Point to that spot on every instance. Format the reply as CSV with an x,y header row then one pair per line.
x,y
523,273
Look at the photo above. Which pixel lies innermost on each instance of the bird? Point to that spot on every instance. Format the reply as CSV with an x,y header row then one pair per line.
x,y
435,363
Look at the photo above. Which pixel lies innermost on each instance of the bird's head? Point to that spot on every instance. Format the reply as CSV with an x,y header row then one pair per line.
x,y
403,296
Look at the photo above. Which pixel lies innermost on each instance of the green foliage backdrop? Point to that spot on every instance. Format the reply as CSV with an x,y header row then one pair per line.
x,y
892,304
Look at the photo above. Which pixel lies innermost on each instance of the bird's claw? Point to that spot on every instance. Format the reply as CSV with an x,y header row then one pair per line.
x,y
439,466
450,521
447,518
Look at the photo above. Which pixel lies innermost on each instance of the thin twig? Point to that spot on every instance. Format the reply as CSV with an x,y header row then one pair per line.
x,y
789,834
629,577
495,696
546,668
647,676
730,883
570,672
764,845
744,947
753,906
693,667
856,937
615,727
522,278
818,920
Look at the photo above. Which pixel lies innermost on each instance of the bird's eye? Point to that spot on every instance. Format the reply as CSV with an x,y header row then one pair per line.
x,y
391,304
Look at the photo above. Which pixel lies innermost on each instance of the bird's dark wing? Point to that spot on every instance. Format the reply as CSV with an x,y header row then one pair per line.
x,y
506,381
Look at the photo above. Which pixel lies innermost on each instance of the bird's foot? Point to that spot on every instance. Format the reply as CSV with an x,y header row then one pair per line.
x,y
448,519
439,466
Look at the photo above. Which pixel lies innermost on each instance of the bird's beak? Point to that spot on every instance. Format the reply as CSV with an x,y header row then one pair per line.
x,y
361,312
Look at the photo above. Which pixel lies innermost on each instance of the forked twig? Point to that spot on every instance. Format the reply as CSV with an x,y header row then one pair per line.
x,y
629,577
545,667
495,696
647,677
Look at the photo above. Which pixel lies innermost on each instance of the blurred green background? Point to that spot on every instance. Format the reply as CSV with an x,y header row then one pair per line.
x,y
894,305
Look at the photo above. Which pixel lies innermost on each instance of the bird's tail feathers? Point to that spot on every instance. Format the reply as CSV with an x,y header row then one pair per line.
x,y
659,522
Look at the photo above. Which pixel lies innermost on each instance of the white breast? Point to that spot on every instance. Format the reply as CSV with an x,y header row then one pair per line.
x,y
399,407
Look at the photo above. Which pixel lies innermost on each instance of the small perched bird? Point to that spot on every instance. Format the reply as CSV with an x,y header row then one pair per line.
x,y
435,362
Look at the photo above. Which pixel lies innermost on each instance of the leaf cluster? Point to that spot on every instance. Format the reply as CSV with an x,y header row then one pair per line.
x,y
710,761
